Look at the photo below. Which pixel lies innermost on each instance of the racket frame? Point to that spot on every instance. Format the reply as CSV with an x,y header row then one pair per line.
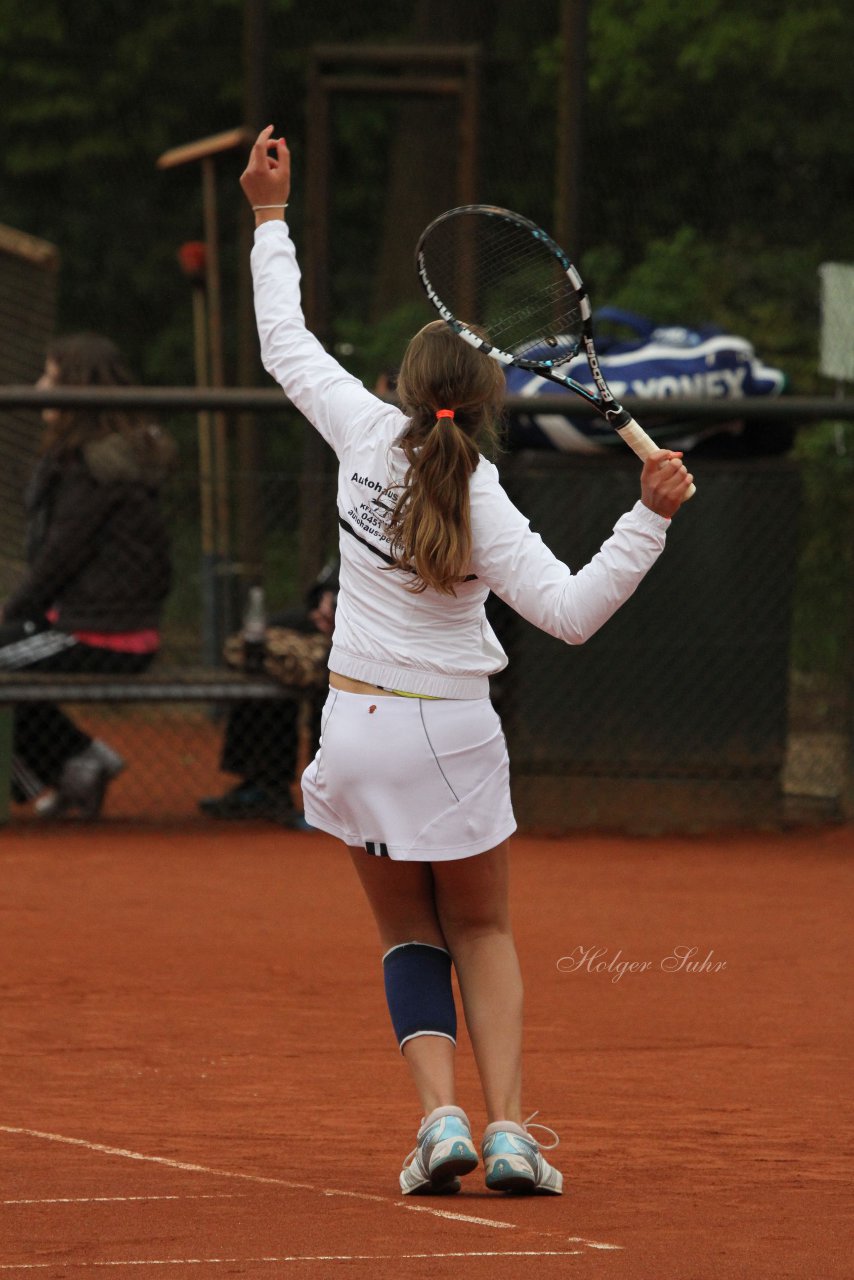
x,y
602,399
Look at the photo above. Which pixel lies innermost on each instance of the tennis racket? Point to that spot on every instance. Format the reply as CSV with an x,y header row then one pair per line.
x,y
513,283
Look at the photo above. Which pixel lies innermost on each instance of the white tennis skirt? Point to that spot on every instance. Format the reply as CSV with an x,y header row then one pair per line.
x,y
412,779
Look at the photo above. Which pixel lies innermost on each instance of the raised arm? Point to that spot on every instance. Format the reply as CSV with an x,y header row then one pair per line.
x,y
266,180
332,400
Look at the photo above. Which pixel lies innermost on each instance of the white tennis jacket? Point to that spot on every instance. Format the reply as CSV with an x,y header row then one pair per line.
x,y
426,643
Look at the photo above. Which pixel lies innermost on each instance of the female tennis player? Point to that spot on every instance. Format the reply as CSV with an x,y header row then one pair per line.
x,y
412,770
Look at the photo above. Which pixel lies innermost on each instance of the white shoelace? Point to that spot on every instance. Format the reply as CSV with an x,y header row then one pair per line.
x,y
526,1124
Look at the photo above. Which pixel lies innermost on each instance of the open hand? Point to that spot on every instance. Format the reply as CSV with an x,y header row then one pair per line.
x,y
665,482
266,180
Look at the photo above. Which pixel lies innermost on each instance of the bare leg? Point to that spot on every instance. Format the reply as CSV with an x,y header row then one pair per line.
x,y
401,897
473,911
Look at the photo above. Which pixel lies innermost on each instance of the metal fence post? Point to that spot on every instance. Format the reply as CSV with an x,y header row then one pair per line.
x,y
5,761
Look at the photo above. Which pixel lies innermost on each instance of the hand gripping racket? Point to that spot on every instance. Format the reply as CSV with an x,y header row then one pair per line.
x,y
514,284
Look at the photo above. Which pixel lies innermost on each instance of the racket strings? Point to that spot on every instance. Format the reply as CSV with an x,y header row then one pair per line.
x,y
545,318
502,278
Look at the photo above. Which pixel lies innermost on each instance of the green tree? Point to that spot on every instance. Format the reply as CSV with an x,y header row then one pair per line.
x,y
717,163
716,170
94,92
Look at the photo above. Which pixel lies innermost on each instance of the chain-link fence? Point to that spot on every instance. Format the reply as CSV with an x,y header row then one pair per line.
x,y
720,695
28,285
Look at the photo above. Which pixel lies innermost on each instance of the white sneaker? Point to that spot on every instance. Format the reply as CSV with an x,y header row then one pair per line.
x,y
83,782
514,1162
443,1152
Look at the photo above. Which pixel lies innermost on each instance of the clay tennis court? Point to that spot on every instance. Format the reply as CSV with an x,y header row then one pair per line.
x,y
198,1079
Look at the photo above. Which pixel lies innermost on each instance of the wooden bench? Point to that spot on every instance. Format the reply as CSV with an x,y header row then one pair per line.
x,y
166,684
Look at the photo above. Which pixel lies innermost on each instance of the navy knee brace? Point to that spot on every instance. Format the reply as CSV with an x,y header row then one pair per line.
x,y
419,992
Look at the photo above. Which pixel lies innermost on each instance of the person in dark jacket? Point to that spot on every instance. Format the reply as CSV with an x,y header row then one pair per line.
x,y
261,741
99,570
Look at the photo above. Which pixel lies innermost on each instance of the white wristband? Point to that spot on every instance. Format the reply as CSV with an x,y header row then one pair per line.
x,y
256,207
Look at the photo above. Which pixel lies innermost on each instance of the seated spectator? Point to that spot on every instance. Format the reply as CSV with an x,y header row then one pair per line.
x,y
261,742
99,570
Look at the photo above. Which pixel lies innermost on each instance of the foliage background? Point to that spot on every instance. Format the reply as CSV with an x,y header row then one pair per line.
x,y
716,159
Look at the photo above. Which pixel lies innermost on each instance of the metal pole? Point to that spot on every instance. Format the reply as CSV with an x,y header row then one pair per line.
x,y
249,496
789,409
217,378
210,648
315,519
570,109
5,761
207,314
317,205
217,368
204,150
848,674
467,178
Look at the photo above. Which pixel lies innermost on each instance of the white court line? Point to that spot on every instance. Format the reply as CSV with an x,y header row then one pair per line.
x,y
190,1167
591,1244
422,1208
184,1165
219,1195
296,1257
446,1213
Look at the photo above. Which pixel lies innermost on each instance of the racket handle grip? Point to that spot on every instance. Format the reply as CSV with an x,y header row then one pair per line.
x,y
642,444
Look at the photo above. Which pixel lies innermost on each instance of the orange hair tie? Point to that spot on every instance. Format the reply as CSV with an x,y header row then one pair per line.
x,y
445,413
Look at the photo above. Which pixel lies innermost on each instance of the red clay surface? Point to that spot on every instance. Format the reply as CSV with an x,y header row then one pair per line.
x,y
198,1079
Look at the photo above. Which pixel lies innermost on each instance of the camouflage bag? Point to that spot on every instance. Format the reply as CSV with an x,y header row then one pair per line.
x,y
297,659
